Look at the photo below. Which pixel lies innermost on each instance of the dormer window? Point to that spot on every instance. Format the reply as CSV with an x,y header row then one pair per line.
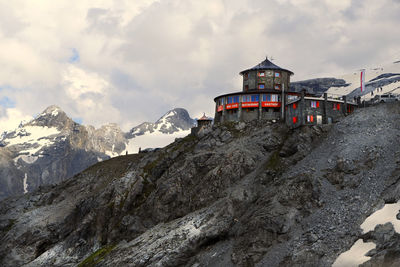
x,y
261,86
277,74
261,74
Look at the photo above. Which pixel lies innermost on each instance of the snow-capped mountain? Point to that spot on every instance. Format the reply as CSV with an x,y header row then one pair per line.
x,y
175,123
386,77
53,147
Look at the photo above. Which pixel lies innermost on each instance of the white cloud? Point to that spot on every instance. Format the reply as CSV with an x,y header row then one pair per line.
x,y
137,59
11,118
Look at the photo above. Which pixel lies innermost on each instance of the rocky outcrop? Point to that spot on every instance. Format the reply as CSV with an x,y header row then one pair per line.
x,y
317,86
387,251
246,194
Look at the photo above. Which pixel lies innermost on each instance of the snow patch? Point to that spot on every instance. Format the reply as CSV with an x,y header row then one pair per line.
x,y
54,113
153,140
36,136
26,158
355,255
25,184
386,214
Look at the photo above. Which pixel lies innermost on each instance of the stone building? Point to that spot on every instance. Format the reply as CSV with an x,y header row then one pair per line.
x,y
311,110
266,95
203,124
264,87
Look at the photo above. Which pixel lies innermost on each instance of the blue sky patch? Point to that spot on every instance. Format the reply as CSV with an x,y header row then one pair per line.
x,y
75,56
78,120
7,103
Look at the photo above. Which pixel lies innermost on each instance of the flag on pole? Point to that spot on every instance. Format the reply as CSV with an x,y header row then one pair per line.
x,y
362,80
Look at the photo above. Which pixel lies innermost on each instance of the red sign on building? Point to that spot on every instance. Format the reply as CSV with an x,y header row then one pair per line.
x,y
249,104
270,104
220,108
232,106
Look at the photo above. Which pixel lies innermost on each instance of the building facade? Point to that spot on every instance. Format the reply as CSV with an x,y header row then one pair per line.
x,y
266,95
264,87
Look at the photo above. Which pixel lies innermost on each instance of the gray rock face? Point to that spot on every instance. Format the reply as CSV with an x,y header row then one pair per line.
x,y
52,147
387,251
46,150
254,194
318,85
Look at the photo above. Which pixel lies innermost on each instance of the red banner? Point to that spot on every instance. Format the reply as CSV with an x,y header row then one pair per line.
x,y
249,104
270,104
220,108
232,106
362,80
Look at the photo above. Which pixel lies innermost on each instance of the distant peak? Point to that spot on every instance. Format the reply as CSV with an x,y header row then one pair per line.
x,y
53,110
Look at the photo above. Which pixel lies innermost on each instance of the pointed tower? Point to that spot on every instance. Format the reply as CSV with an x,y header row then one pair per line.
x,y
264,87
265,76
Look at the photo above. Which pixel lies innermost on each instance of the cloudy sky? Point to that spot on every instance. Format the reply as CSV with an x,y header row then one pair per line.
x,y
131,61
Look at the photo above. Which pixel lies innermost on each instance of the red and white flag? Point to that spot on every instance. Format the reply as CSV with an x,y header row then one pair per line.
x,y
362,80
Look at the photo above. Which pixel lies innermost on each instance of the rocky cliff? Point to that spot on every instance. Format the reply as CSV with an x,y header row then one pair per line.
x,y
317,86
255,194
52,147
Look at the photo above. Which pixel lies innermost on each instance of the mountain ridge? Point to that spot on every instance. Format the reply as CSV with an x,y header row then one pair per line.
x,y
243,194
52,147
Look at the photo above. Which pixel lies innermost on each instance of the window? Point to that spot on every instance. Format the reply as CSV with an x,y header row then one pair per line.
x,y
270,98
254,98
261,74
246,87
294,105
336,106
261,86
315,104
233,99
310,118
275,98
277,74
250,98
294,120
277,87
220,101
246,76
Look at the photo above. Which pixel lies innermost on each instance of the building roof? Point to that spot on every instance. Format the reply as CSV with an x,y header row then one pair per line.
x,y
266,65
204,118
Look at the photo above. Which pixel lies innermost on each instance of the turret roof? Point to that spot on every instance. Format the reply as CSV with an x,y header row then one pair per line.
x,y
204,118
266,65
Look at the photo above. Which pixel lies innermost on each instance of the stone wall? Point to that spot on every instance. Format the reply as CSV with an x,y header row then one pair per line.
x,y
269,79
